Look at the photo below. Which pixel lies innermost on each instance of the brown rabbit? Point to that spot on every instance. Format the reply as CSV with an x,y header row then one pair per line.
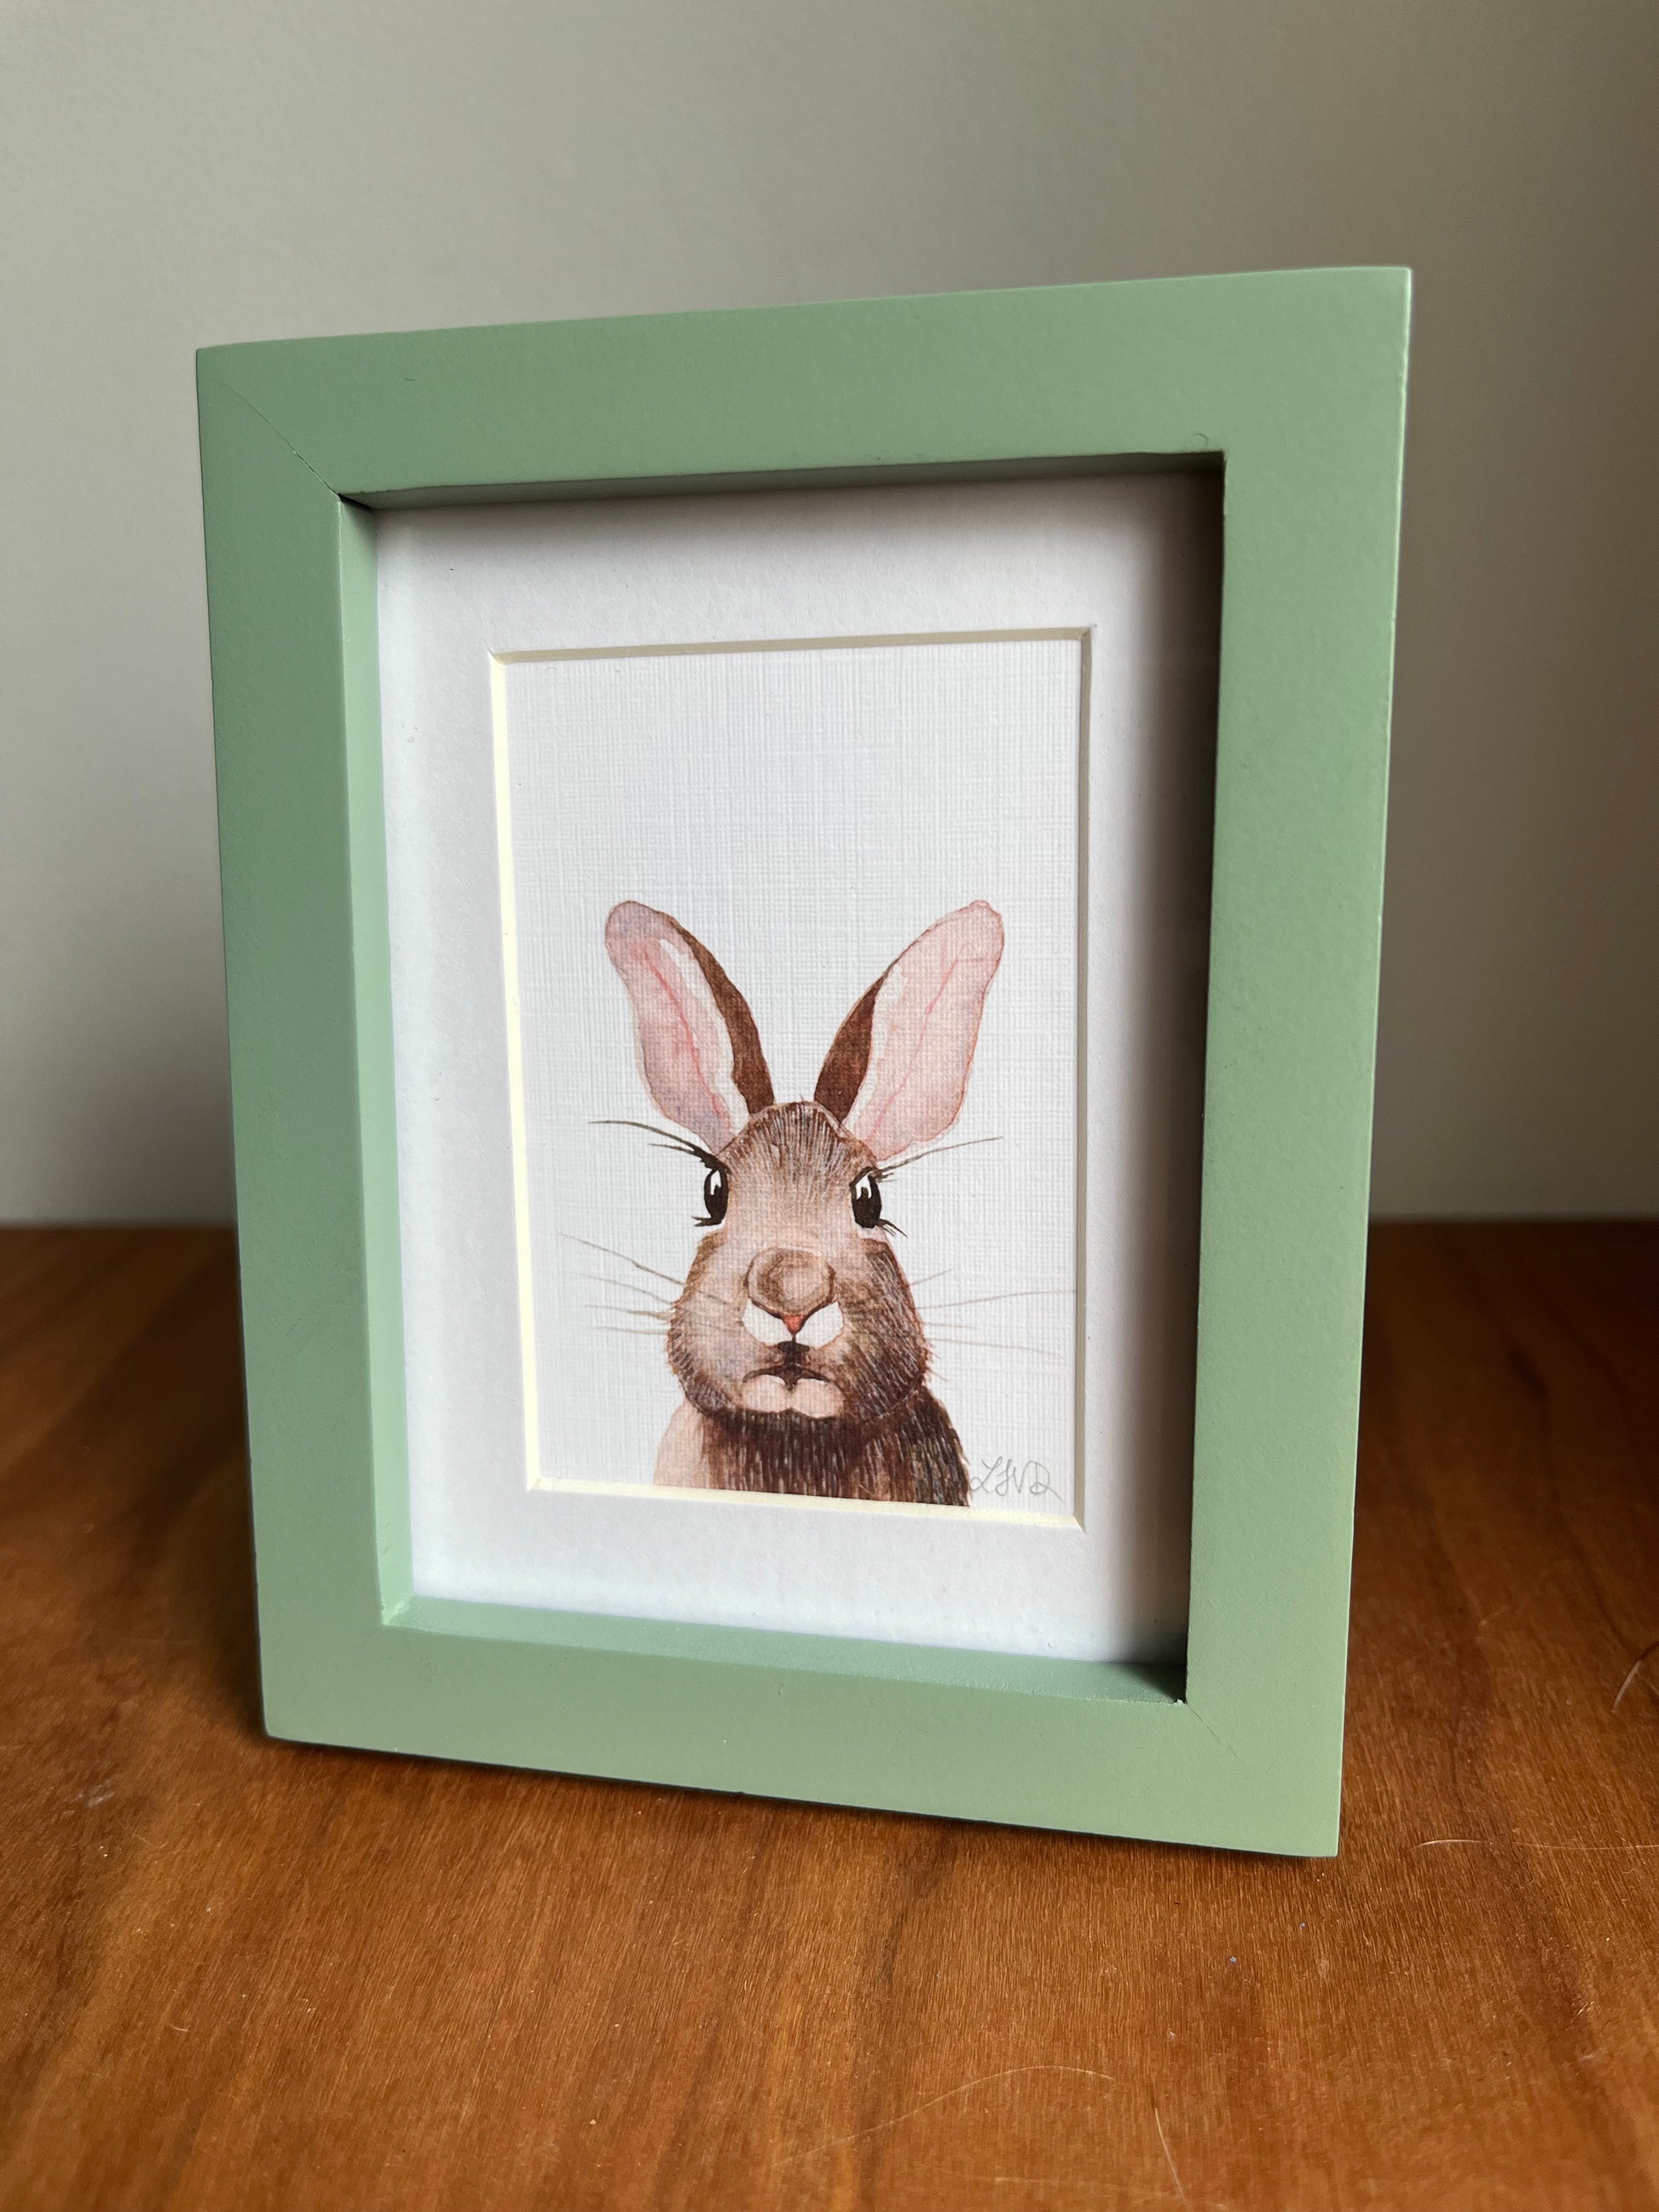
x,y
794,1336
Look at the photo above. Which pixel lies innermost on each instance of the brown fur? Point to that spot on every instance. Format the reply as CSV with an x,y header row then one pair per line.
x,y
749,1069
911,1458
848,1056
790,1176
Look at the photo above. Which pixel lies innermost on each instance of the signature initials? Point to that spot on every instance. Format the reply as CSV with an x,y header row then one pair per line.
x,y
1004,1476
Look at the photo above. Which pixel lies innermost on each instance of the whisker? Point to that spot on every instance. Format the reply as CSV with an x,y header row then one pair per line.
x,y
937,1276
990,1344
995,1298
933,1152
627,1258
636,1313
606,1328
611,1283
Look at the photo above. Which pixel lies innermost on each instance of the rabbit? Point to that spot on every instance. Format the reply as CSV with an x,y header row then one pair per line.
x,y
794,1336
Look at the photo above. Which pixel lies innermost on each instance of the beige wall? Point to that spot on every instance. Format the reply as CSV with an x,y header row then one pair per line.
x,y
186,171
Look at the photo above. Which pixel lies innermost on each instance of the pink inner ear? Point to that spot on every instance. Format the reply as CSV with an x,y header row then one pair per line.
x,y
923,1031
686,1047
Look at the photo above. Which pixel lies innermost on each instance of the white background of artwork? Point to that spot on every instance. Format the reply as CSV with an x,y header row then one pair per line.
x,y
1129,561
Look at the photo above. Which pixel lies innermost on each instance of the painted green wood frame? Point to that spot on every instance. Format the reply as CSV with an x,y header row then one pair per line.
x,y
1297,380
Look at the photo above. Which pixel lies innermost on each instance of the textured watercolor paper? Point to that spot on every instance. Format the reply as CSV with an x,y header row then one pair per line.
x,y
805,728
806,813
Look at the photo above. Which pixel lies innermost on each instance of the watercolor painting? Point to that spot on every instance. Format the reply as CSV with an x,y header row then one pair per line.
x,y
794,1336
731,882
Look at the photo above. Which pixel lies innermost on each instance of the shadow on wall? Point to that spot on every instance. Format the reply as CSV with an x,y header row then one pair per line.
x,y
136,1134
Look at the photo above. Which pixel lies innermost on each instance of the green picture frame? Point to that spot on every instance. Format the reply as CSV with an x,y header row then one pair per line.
x,y
1292,383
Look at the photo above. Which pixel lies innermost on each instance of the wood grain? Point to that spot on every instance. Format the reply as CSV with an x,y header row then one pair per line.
x,y
244,1974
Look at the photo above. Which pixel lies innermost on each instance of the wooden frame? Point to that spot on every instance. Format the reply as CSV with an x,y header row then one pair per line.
x,y
1295,383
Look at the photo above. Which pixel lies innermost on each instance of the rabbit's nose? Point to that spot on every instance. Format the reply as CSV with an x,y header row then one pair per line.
x,y
792,1285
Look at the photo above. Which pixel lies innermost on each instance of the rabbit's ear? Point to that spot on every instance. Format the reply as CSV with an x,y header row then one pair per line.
x,y
700,1052
896,1073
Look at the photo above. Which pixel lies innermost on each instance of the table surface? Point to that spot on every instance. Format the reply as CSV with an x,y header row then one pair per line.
x,y
246,1974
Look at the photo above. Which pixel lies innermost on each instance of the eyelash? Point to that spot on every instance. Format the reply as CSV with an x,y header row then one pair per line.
x,y
716,1192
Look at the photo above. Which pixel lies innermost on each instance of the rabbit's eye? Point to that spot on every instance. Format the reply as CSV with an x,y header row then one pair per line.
x,y
714,1197
867,1201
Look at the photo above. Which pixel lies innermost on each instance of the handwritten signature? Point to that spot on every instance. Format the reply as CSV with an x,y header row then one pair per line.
x,y
1004,1476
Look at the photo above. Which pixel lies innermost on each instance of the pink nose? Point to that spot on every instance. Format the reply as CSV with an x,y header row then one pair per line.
x,y
792,1322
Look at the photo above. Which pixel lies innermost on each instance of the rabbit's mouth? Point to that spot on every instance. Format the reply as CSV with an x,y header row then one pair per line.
x,y
788,1383
773,1390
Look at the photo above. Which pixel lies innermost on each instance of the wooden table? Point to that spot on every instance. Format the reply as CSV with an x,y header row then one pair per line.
x,y
240,1974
